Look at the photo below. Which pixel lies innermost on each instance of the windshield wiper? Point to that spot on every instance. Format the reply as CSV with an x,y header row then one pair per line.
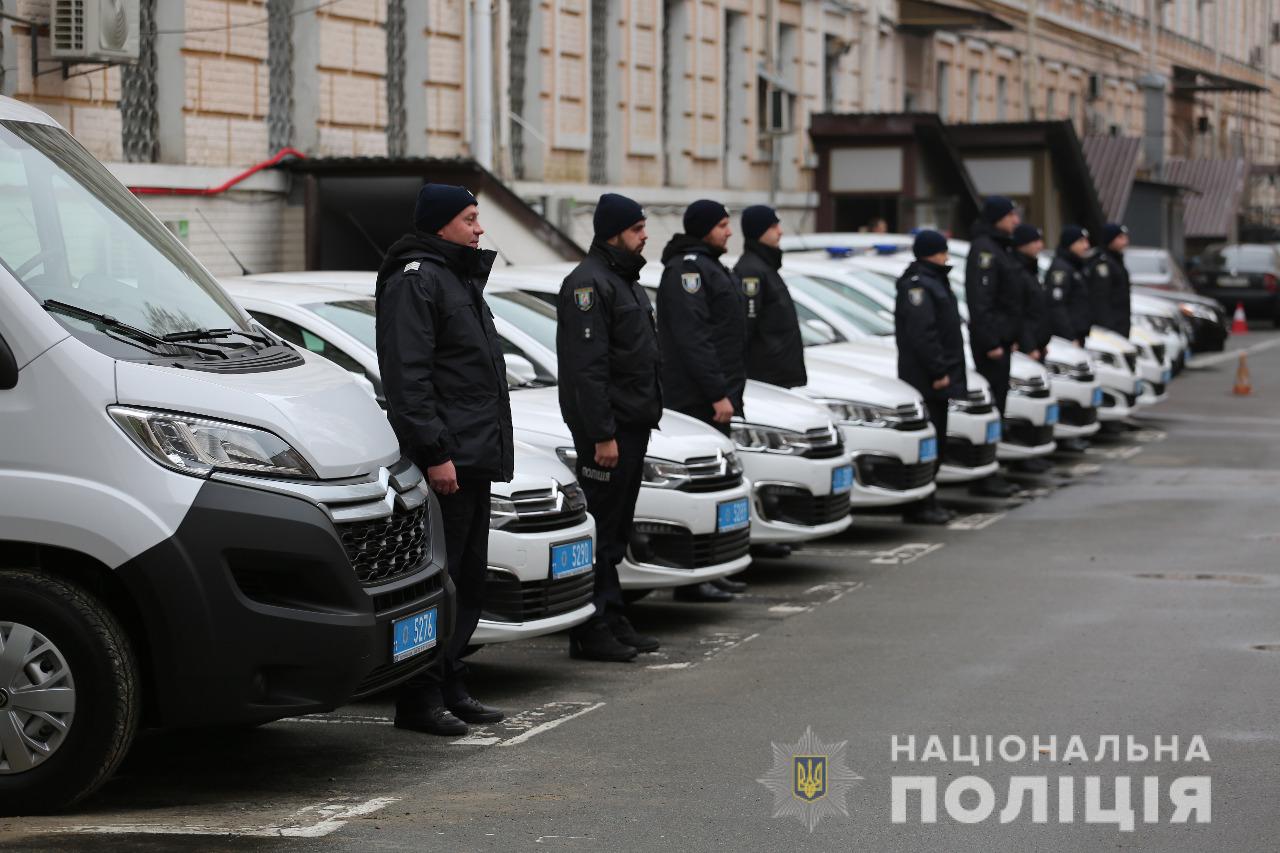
x,y
216,334
111,324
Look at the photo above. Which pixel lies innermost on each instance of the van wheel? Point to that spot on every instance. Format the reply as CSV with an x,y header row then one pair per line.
x,y
69,693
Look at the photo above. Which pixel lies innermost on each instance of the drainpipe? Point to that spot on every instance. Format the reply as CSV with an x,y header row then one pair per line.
x,y
1031,87
482,78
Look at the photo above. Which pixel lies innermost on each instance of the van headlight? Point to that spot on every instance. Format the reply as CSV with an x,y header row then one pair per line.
x,y
860,414
201,446
664,474
763,439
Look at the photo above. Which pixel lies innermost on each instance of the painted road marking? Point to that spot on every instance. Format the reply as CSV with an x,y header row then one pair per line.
x,y
1083,469
549,725
1114,452
975,521
1231,355
906,554
1149,435
517,729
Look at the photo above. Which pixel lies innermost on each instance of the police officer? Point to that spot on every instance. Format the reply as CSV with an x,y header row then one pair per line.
x,y
445,382
775,350
993,288
611,397
703,332
1028,243
927,328
1109,281
1067,286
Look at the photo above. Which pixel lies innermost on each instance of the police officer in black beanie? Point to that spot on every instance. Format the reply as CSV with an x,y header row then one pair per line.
x,y
611,397
1068,286
928,331
1109,281
1028,243
703,332
993,289
445,382
775,351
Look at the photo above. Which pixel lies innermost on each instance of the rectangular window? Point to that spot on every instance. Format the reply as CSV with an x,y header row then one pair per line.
x,y
1073,105
944,91
1050,103
1002,96
975,86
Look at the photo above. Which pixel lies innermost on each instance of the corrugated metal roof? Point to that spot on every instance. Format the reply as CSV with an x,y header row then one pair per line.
x,y
1113,162
1219,186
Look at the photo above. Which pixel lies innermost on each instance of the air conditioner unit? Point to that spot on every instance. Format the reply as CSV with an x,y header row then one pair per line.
x,y
94,31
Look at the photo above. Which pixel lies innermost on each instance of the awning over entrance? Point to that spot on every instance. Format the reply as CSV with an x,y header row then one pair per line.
x,y
927,16
1220,189
1187,80
1113,162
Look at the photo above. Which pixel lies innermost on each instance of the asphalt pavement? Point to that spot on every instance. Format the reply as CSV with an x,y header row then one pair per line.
x,y
1130,592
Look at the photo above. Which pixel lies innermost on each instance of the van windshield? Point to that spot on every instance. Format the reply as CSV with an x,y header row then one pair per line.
x,y
71,233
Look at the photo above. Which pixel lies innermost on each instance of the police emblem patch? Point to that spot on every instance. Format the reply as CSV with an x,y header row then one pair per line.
x,y
1057,294
984,260
691,282
811,776
412,265
1104,270
584,298
1059,276
751,286
809,779
916,295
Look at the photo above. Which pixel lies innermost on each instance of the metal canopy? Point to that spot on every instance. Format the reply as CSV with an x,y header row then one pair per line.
x,y
927,16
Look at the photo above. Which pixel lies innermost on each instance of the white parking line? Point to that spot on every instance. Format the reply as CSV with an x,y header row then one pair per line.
x,y
1147,436
1114,452
975,521
1082,469
518,728
1231,355
549,725
905,554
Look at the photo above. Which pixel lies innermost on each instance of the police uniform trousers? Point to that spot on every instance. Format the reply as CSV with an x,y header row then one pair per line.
x,y
465,515
938,417
996,372
611,498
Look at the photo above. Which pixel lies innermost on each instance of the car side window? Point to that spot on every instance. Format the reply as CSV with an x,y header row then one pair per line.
x,y
298,336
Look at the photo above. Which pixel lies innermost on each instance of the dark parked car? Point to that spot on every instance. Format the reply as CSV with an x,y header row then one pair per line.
x,y
1247,273
1206,322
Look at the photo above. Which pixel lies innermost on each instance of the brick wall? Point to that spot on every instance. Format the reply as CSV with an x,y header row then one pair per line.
x,y
352,68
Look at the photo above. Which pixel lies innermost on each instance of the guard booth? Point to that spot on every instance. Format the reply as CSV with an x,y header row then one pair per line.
x,y
357,207
900,167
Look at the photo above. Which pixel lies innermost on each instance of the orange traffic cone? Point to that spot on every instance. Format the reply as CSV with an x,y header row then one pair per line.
x,y
1243,386
1239,324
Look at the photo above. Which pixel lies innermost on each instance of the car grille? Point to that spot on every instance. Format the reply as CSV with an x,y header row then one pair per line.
x,y
885,472
1131,359
796,505
712,474
540,510
1023,434
676,547
823,443
507,599
963,453
911,416
384,549
1074,414
1031,387
976,403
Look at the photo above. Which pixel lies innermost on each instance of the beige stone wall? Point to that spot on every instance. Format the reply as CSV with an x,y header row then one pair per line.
x,y
224,63
445,41
351,78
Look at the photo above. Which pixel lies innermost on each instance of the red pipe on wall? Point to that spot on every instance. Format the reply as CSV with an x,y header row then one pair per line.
x,y
279,156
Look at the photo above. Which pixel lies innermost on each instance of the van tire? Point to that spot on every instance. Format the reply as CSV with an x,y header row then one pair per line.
x,y
105,673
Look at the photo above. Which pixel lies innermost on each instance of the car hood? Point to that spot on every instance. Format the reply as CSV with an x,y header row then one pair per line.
x,y
317,408
1065,352
536,415
769,405
842,382
1023,366
1105,340
1143,304
534,469
873,357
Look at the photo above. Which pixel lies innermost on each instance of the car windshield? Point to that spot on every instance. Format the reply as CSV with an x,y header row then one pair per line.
x,y
528,313
353,316
1242,258
70,233
840,297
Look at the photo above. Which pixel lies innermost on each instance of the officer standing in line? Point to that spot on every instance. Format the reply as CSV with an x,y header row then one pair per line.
x,y
703,332
611,397
1068,286
1028,243
445,381
993,288
775,350
930,339
1109,281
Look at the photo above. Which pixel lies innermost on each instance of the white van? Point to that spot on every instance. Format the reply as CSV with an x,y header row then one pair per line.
x,y
199,524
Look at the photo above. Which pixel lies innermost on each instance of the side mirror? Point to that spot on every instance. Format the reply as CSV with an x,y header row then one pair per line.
x,y
8,367
522,369
822,329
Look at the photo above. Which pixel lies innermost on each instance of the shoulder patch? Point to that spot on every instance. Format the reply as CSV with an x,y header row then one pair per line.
x,y
690,257
751,286
1059,276
584,298
1057,294
691,282
1104,270
916,295
984,260
411,266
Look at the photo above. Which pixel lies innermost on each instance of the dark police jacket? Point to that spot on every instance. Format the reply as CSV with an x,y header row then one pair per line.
x,y
607,347
1036,328
1109,291
1068,291
994,290
702,326
928,330
440,358
775,351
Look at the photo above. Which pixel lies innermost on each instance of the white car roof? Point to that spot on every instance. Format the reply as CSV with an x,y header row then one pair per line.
x,y
11,110
288,294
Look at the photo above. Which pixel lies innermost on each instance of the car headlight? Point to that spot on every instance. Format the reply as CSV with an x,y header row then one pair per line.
x,y
1106,358
860,414
569,456
502,511
664,474
574,498
200,446
733,465
1058,368
1191,309
763,439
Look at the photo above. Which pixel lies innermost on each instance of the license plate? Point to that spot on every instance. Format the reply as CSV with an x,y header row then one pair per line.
x,y
1137,387
572,558
928,449
413,635
1097,397
842,479
993,432
1232,281
1051,415
1168,374
732,515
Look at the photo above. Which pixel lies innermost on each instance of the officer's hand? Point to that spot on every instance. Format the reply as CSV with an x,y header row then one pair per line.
x,y
939,384
1035,353
995,353
723,411
607,453
443,478
1015,348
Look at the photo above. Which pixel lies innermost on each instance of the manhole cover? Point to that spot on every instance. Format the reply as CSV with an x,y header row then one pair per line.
x,y
1248,580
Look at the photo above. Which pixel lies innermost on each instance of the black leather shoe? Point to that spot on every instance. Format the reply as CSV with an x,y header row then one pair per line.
x,y
595,641
703,593
927,515
471,710
729,585
434,720
625,633
994,486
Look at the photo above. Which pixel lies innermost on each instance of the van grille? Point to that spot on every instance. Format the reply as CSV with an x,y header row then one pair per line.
x,y
388,548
